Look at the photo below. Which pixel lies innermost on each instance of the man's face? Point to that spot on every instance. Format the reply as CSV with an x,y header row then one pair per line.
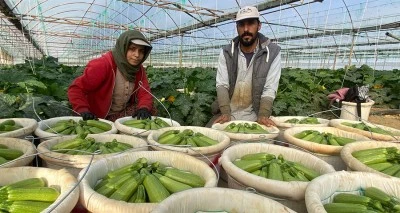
x,y
247,30
135,54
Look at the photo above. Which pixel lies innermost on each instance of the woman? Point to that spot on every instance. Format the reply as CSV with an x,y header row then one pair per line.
x,y
115,85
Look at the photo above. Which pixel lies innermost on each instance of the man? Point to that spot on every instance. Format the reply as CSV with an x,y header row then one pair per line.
x,y
248,73
115,85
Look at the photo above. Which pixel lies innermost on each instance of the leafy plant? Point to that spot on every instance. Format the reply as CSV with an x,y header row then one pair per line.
x,y
36,88
39,88
186,93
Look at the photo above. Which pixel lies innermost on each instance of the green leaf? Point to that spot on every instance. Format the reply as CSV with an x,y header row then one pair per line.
x,y
183,104
8,99
32,83
198,118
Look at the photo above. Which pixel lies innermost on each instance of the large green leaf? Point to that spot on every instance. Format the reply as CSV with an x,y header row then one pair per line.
x,y
8,99
183,103
31,83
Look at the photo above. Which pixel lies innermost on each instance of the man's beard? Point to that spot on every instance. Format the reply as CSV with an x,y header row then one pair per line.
x,y
249,42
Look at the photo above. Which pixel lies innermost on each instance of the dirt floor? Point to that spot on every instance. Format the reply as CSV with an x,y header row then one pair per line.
x,y
386,120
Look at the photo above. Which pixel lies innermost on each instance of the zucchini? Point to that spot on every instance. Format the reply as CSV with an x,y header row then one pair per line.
x,y
188,178
258,156
10,154
45,194
172,185
275,172
345,208
140,194
30,182
128,188
24,206
99,124
309,173
155,189
249,165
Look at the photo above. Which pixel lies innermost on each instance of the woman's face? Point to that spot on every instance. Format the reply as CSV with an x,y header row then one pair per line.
x,y
135,54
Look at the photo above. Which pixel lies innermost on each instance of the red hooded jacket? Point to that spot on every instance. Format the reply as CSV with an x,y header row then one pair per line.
x,y
93,90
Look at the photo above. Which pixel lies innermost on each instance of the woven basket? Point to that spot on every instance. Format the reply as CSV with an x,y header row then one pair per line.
x,y
44,124
95,202
322,189
75,163
280,190
273,132
354,164
28,126
375,136
218,199
136,131
25,146
280,122
60,179
211,152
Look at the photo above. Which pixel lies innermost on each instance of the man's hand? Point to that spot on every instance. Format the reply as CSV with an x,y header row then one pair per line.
x,y
88,116
265,121
223,118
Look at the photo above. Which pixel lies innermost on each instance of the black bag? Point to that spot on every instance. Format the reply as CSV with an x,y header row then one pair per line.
x,y
357,95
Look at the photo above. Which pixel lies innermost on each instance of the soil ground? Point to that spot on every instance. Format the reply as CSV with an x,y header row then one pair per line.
x,y
386,120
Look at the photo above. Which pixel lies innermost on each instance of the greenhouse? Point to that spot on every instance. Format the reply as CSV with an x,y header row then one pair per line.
x,y
312,34
200,106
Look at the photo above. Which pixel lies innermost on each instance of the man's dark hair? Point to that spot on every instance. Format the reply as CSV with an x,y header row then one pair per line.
x,y
250,19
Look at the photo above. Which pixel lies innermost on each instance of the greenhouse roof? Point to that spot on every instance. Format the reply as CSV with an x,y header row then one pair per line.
x,y
191,32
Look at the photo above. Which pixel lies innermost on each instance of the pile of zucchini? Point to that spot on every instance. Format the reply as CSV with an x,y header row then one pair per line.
x,y
363,126
8,126
309,120
276,168
323,138
71,127
382,159
7,154
147,124
143,182
82,145
372,200
29,195
245,128
186,137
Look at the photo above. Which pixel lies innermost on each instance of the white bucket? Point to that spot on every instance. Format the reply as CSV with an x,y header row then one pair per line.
x,y
349,110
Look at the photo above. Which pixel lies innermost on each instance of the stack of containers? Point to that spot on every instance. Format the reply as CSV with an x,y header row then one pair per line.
x,y
96,202
75,163
328,153
288,193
